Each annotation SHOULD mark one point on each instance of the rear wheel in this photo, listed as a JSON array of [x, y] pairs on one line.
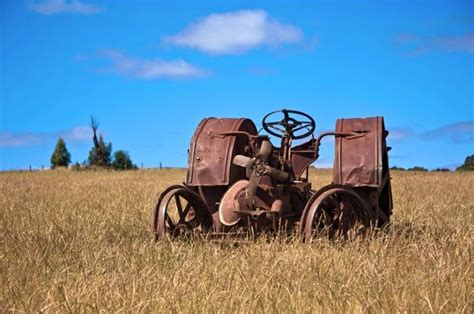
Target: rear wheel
[[180, 212], [335, 211]]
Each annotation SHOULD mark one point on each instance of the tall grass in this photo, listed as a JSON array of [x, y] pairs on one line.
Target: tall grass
[[81, 242]]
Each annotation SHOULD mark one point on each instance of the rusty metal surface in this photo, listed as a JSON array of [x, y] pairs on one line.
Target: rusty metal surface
[[210, 157], [302, 156], [227, 214], [358, 161]]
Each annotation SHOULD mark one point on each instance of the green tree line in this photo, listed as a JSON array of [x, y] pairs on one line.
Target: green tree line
[[468, 165], [100, 155]]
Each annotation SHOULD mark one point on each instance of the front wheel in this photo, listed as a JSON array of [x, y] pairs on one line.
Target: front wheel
[[180, 211]]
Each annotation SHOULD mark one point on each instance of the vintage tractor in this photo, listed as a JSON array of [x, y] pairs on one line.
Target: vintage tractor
[[237, 180]]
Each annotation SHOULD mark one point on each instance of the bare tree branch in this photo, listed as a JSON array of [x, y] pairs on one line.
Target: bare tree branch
[[94, 125]]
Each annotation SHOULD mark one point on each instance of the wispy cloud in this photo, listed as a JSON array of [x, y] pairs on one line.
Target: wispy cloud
[[8, 139], [416, 45], [400, 133], [139, 68], [461, 132], [50, 7], [77, 134], [235, 32], [456, 133]]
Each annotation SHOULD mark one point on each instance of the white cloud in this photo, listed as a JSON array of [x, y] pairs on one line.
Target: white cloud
[[459, 132], [400, 133], [50, 7], [76, 134], [8, 139], [234, 32], [456, 133], [417, 45], [464, 42], [149, 69]]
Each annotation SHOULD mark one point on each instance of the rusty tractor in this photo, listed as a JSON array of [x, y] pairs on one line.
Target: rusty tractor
[[238, 180]]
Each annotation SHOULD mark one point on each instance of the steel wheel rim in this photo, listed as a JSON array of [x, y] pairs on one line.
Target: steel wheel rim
[[327, 212], [179, 211]]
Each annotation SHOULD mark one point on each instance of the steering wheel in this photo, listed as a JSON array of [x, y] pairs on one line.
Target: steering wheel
[[289, 126]]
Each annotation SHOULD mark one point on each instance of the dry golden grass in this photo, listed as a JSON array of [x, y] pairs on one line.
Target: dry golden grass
[[81, 242]]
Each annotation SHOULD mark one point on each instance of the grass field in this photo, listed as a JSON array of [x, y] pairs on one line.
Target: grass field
[[80, 241]]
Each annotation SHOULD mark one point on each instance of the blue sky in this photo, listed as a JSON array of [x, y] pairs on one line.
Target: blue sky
[[150, 71]]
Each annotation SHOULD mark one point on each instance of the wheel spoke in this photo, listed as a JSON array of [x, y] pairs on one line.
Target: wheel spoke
[[339, 209], [186, 210], [302, 125], [334, 201], [320, 222], [183, 226], [169, 221], [179, 206], [329, 220], [276, 128], [341, 204], [300, 128]]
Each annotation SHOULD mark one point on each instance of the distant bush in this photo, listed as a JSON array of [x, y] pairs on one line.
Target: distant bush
[[441, 170], [122, 161], [468, 164], [61, 157], [417, 168], [398, 168]]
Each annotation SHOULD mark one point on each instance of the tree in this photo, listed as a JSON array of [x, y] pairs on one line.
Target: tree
[[61, 157], [122, 161], [468, 164], [441, 170], [99, 155], [417, 168]]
